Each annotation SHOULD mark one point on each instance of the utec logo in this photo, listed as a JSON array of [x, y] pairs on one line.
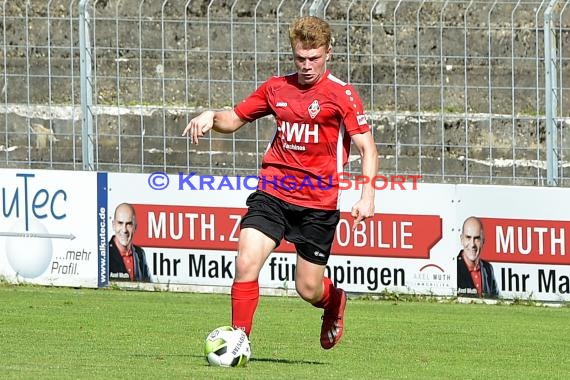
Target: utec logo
[[192, 181], [28, 208]]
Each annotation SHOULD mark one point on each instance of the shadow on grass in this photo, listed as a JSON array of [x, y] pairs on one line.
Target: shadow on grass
[[285, 361], [256, 359]]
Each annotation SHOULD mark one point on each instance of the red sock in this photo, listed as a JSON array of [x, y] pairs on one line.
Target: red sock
[[245, 297], [330, 297]]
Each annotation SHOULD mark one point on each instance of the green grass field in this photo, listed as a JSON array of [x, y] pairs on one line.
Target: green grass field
[[61, 333]]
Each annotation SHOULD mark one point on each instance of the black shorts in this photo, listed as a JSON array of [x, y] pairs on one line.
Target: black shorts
[[311, 230]]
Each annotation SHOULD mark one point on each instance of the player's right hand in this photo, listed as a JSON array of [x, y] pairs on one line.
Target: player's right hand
[[199, 125]]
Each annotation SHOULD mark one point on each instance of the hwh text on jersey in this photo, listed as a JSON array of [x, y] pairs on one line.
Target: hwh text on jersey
[[299, 132]]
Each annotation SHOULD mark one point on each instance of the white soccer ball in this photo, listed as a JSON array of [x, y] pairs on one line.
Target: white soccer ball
[[227, 347]]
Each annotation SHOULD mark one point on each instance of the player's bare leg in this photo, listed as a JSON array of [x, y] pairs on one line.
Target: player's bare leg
[[313, 287]]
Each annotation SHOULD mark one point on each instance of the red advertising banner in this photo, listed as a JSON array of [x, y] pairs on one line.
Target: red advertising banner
[[526, 241], [388, 235], [217, 228]]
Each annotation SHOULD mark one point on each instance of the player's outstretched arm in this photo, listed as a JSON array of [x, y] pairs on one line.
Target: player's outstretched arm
[[226, 121]]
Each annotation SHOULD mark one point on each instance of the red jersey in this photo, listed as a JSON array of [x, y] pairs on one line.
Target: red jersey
[[312, 140]]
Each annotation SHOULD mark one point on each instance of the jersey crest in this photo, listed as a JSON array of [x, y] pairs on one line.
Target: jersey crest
[[314, 109]]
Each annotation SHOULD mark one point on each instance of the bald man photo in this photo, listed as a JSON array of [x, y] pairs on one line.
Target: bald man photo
[[127, 261], [475, 277]]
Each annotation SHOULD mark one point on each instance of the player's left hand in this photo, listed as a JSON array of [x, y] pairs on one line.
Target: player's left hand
[[360, 211]]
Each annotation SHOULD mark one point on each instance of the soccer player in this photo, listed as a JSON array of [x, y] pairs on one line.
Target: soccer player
[[317, 116]]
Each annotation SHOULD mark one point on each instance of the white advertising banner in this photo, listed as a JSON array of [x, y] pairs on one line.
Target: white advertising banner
[[526, 238], [58, 227], [189, 228], [48, 227]]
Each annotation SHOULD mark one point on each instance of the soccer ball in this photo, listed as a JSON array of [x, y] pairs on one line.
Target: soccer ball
[[227, 347]]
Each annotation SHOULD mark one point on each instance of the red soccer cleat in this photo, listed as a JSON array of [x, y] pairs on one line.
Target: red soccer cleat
[[333, 324]]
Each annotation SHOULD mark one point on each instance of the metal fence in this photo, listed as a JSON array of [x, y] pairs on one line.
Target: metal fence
[[456, 91]]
